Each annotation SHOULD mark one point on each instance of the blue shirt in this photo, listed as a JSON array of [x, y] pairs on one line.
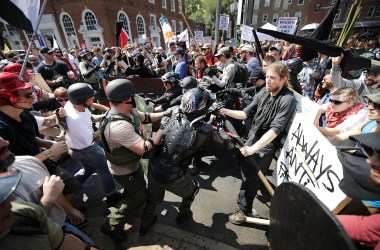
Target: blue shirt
[[98, 61], [181, 69]]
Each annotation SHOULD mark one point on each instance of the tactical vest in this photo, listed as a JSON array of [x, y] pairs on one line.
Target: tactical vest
[[119, 156]]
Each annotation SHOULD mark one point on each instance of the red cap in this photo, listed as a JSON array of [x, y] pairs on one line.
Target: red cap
[[10, 82], [15, 68]]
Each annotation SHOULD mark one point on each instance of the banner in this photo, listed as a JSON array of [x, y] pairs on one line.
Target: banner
[[166, 29], [309, 159], [183, 36], [224, 22], [246, 33], [198, 36], [287, 25], [207, 39]]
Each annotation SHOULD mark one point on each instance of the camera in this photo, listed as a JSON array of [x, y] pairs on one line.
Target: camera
[[211, 71], [108, 57]]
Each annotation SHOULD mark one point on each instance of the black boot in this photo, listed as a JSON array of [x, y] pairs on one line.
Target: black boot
[[117, 235], [184, 210], [146, 222], [114, 199]]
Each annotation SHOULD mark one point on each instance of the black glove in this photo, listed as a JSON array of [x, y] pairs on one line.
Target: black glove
[[215, 107], [148, 100], [233, 91], [97, 67], [168, 112]]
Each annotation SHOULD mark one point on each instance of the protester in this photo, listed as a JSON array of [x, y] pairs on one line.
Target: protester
[[181, 68], [247, 54]]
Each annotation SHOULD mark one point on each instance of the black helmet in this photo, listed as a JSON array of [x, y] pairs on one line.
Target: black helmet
[[120, 90], [110, 50], [196, 101], [79, 93], [295, 65], [170, 77], [85, 52], [188, 82], [140, 58]]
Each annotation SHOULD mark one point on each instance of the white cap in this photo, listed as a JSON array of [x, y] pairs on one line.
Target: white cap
[[248, 48]]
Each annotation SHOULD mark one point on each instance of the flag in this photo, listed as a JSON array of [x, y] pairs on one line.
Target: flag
[[123, 38], [119, 27], [166, 29], [41, 40], [184, 36], [55, 44], [6, 49], [26, 12]]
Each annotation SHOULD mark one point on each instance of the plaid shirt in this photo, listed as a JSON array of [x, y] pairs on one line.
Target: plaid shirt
[[306, 76], [98, 61]]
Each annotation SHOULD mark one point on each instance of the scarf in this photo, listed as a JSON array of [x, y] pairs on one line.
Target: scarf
[[335, 118]]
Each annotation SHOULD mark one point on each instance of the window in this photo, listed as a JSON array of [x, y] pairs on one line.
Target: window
[[265, 18], [11, 30], [256, 5], [90, 21], [69, 29], [300, 2], [286, 14], [95, 39], [337, 15], [317, 7], [275, 18], [266, 3], [29, 35], [289, 1], [140, 25], [298, 14], [174, 28], [180, 26], [377, 13], [254, 19], [370, 12], [180, 5], [153, 21], [164, 4], [333, 2], [277, 3], [151, 1], [123, 17], [172, 5]]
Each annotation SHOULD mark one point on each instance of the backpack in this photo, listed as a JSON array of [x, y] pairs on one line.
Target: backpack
[[241, 74]]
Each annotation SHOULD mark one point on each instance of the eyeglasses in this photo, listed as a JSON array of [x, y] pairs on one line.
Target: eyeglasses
[[336, 102], [369, 152], [62, 100], [27, 95], [50, 53], [373, 104]]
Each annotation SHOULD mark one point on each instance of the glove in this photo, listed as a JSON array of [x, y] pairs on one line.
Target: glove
[[215, 107], [233, 91], [148, 100], [97, 67], [168, 112]]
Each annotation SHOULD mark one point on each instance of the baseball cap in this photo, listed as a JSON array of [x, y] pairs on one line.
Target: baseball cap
[[180, 51], [15, 68], [276, 48], [370, 140], [374, 69], [57, 50], [8, 183], [374, 97], [46, 49], [223, 51], [206, 46], [257, 74], [248, 48], [364, 35]]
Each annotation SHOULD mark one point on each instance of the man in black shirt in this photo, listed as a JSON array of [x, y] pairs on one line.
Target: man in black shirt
[[272, 110]]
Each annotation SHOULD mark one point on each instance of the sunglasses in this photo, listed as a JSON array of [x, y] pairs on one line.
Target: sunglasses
[[27, 95], [373, 104], [62, 100], [336, 102], [369, 152]]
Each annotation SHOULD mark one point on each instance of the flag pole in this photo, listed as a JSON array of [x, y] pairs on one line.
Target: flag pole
[[31, 42], [190, 30]]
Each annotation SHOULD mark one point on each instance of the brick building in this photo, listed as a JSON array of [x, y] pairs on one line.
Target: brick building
[[369, 17], [92, 22], [256, 13]]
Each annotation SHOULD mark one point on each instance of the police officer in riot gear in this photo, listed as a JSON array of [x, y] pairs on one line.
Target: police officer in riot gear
[[182, 138], [124, 145], [295, 66]]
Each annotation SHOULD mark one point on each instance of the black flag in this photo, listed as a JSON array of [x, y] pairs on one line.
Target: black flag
[[119, 26], [14, 16]]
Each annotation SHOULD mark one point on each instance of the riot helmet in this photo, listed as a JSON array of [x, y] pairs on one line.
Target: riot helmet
[[78, 93], [196, 102], [188, 82], [85, 52], [295, 65], [120, 90], [170, 77]]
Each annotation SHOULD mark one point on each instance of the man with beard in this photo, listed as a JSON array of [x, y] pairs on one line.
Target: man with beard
[[88, 69], [370, 84], [247, 54], [207, 53]]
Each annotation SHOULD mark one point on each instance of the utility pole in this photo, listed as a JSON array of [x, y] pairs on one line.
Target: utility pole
[[217, 19]]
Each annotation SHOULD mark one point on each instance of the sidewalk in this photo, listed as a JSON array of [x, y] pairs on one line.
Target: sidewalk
[[159, 236]]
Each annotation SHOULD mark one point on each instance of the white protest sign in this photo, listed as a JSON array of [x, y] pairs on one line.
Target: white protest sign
[[310, 109], [287, 25], [198, 36], [309, 159], [223, 22], [207, 39], [246, 33]]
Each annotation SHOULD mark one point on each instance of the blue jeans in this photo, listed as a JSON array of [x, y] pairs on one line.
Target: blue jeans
[[73, 230], [93, 159]]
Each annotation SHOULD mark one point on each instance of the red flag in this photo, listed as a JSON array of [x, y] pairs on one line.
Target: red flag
[[123, 38]]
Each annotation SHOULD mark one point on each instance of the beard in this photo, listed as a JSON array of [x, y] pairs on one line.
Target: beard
[[369, 82], [4, 164]]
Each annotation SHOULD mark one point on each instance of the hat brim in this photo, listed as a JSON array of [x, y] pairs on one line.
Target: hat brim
[[370, 140], [8, 182]]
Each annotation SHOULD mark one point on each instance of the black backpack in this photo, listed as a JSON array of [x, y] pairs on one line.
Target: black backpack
[[241, 75]]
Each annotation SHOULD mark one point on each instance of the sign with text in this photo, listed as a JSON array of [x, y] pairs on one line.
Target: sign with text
[[207, 39], [246, 33], [308, 108], [198, 36], [309, 159], [224, 22], [287, 25]]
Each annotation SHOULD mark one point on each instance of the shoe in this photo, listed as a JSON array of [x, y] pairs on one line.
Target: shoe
[[239, 217], [194, 170], [114, 199], [183, 215], [146, 223], [117, 235]]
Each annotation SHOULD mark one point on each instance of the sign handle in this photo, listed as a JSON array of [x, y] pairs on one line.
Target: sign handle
[[190, 30]]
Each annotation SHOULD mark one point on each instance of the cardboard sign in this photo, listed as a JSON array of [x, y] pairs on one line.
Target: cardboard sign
[[246, 33], [309, 159], [287, 25], [310, 109], [40, 82], [224, 22], [207, 39], [198, 36]]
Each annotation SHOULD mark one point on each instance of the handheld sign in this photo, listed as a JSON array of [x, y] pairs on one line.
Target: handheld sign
[[224, 22], [287, 25]]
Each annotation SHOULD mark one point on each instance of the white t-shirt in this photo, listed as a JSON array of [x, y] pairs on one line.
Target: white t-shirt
[[353, 120], [79, 132]]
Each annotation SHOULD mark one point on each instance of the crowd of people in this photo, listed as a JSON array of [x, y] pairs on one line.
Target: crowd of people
[[206, 95]]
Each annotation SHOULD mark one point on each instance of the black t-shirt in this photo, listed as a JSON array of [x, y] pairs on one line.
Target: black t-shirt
[[49, 104], [54, 71], [21, 135]]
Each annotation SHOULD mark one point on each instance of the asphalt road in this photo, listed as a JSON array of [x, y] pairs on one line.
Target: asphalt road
[[220, 183]]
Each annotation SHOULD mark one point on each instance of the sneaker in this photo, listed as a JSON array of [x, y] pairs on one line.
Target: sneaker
[[114, 199], [239, 217], [117, 235], [146, 223]]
